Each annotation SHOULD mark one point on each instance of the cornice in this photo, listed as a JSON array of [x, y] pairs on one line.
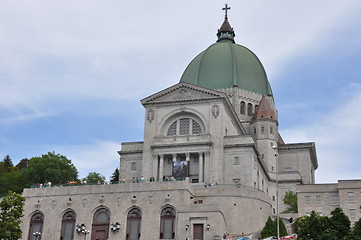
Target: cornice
[[171, 145]]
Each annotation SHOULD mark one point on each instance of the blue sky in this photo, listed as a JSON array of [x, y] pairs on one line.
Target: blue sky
[[72, 72]]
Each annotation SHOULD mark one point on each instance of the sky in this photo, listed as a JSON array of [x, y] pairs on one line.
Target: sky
[[72, 73]]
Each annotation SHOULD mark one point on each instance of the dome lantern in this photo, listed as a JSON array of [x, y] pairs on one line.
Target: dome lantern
[[226, 31]]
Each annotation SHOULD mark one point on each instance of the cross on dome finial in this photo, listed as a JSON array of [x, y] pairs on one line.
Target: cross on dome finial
[[226, 8]]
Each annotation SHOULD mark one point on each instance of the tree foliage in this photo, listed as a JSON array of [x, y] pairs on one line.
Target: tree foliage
[[270, 228], [340, 223], [94, 177], [336, 227], [356, 231], [51, 167], [6, 165], [11, 210], [290, 200], [115, 176]]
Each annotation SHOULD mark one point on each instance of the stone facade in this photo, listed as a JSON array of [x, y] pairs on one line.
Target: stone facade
[[207, 166], [324, 198]]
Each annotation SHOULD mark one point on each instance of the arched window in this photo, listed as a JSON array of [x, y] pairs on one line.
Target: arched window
[[167, 223], [134, 220], [36, 226], [100, 227], [184, 126], [68, 226], [243, 107], [249, 109]]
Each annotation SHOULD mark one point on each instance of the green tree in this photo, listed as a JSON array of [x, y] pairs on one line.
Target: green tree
[[6, 165], [51, 167], [270, 229], [315, 227], [309, 226], [340, 223], [94, 177], [356, 231], [115, 176], [11, 210], [283, 230], [11, 181], [290, 200], [22, 164]]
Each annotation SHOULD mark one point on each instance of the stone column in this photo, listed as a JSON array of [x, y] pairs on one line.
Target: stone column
[[155, 172], [200, 174], [161, 161], [188, 157]]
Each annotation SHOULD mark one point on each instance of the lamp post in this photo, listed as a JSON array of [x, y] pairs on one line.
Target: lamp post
[[81, 229], [277, 210], [37, 235]]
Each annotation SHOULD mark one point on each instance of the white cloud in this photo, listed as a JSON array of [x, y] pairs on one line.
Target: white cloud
[[337, 135], [99, 156]]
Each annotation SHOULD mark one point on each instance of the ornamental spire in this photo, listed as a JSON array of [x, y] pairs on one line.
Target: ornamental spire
[[226, 31]]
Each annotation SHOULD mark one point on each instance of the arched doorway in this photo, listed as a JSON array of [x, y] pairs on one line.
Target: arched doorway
[[36, 226], [100, 227], [68, 226], [167, 223], [134, 220]]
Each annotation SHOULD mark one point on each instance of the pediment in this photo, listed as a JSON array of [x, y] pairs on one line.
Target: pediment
[[183, 92]]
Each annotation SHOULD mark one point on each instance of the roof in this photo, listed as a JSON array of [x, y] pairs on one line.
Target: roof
[[226, 64]]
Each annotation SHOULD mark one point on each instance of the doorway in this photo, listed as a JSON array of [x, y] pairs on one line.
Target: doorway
[[197, 231]]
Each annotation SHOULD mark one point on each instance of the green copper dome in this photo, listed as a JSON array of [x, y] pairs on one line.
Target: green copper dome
[[225, 65]]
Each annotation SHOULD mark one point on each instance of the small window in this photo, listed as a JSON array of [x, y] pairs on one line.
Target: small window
[[271, 130], [134, 166], [254, 131], [236, 161], [350, 197], [288, 169], [352, 214], [196, 160], [262, 129], [243, 107], [273, 198], [318, 200], [249, 109], [308, 200], [334, 200]]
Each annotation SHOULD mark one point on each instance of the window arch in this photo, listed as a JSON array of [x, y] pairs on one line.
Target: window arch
[[36, 226], [100, 227], [243, 108], [249, 109], [167, 223], [68, 226], [134, 220], [184, 126]]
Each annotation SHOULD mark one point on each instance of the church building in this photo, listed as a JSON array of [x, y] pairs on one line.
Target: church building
[[212, 162]]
